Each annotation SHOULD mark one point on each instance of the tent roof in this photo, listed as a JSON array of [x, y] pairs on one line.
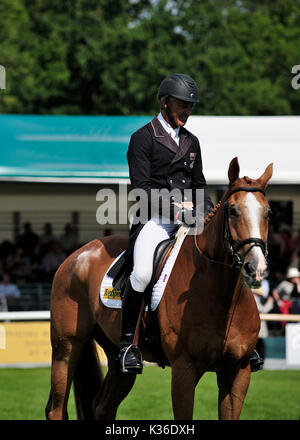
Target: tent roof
[[93, 148], [256, 141]]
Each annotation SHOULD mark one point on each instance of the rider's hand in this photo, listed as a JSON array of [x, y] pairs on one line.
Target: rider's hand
[[185, 213]]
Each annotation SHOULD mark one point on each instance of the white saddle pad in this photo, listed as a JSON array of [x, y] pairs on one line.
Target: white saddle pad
[[111, 297]]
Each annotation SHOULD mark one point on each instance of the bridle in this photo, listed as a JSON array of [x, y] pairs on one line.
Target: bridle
[[234, 247]]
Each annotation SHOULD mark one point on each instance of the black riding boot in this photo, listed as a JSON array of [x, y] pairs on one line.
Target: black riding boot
[[256, 362], [130, 356]]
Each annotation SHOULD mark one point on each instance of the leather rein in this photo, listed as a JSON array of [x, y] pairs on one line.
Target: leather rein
[[234, 247]]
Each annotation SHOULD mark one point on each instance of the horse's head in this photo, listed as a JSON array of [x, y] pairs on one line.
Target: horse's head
[[246, 215]]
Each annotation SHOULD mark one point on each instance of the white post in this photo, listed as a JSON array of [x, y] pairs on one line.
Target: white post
[[2, 78]]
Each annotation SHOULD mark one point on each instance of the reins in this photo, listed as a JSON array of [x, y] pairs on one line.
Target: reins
[[234, 247]]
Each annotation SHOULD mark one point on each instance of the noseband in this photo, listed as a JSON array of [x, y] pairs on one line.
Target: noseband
[[233, 246]]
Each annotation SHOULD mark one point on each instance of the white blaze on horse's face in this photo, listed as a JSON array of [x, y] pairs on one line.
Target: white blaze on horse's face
[[255, 265]]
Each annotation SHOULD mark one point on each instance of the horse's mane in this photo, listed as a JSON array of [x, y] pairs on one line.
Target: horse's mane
[[211, 214]]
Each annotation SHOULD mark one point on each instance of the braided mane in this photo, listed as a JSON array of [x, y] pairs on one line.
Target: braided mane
[[211, 214]]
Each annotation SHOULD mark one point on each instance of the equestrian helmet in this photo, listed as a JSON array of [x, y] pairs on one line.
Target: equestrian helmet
[[180, 86]]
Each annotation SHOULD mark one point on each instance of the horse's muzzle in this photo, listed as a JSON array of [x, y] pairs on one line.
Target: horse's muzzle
[[254, 272]]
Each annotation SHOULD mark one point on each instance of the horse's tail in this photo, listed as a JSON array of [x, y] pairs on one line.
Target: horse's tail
[[88, 379]]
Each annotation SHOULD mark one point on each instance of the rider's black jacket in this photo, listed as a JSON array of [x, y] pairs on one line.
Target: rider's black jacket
[[156, 162]]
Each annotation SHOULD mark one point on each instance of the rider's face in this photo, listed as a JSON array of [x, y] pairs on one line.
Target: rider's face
[[177, 111]]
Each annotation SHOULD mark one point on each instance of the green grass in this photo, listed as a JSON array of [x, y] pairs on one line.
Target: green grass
[[272, 395]]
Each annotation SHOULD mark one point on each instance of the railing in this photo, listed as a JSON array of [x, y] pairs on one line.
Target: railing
[[39, 315], [34, 296], [279, 317], [45, 314]]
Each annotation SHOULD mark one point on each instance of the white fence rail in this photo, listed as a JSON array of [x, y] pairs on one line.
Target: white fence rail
[[25, 316], [45, 314]]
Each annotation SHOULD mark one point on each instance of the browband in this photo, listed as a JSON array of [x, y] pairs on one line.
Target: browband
[[244, 188]]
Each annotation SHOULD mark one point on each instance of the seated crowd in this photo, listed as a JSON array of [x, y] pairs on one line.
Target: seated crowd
[[32, 259]]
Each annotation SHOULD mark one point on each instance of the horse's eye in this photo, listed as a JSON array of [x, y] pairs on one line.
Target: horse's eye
[[267, 213], [234, 211]]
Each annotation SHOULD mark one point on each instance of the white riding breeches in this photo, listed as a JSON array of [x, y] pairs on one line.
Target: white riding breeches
[[152, 233]]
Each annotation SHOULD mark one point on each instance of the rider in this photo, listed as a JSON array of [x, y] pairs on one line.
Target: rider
[[162, 154]]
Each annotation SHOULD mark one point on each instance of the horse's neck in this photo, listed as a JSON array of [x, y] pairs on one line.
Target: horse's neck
[[210, 241], [212, 246]]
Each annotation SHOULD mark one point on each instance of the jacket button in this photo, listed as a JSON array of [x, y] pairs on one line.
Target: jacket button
[[185, 163], [171, 181], [183, 181]]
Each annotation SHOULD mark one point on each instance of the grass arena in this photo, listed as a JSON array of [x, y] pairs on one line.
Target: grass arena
[[272, 395], [274, 392]]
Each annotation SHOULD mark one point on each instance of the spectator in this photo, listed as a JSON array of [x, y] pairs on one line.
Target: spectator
[[296, 240], [7, 248], [69, 240], [47, 236], [286, 248], [274, 248], [296, 250], [10, 292], [28, 241], [290, 287], [287, 293], [52, 260], [19, 265], [1, 269], [265, 304]]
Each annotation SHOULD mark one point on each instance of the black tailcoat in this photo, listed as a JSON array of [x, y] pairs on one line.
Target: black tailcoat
[[156, 162]]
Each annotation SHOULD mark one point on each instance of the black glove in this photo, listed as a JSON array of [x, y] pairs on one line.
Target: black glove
[[184, 215], [189, 217]]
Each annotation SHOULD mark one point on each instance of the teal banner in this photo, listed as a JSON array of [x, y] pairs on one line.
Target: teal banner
[[66, 147]]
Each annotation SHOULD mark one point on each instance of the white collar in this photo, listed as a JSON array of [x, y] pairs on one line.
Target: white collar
[[173, 132]]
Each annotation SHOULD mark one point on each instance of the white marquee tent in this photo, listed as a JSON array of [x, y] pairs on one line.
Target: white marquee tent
[[256, 141]]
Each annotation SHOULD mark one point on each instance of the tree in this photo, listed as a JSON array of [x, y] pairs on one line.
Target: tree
[[104, 57]]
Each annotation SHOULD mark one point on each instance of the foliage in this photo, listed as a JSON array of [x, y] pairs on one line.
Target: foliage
[[104, 57]]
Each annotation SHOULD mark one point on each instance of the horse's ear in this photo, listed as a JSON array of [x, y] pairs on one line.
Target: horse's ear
[[266, 176], [233, 170]]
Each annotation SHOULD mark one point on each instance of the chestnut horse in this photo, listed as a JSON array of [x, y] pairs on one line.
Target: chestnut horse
[[207, 316]]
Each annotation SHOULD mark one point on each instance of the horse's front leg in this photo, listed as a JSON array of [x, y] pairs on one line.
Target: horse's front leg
[[184, 380], [233, 386]]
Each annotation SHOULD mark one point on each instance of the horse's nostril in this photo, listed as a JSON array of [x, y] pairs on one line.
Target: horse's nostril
[[249, 268]]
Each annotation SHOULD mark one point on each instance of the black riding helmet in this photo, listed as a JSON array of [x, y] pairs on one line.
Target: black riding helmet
[[180, 86]]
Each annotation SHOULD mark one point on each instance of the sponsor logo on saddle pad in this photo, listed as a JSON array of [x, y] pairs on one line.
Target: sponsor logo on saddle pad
[[112, 293]]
